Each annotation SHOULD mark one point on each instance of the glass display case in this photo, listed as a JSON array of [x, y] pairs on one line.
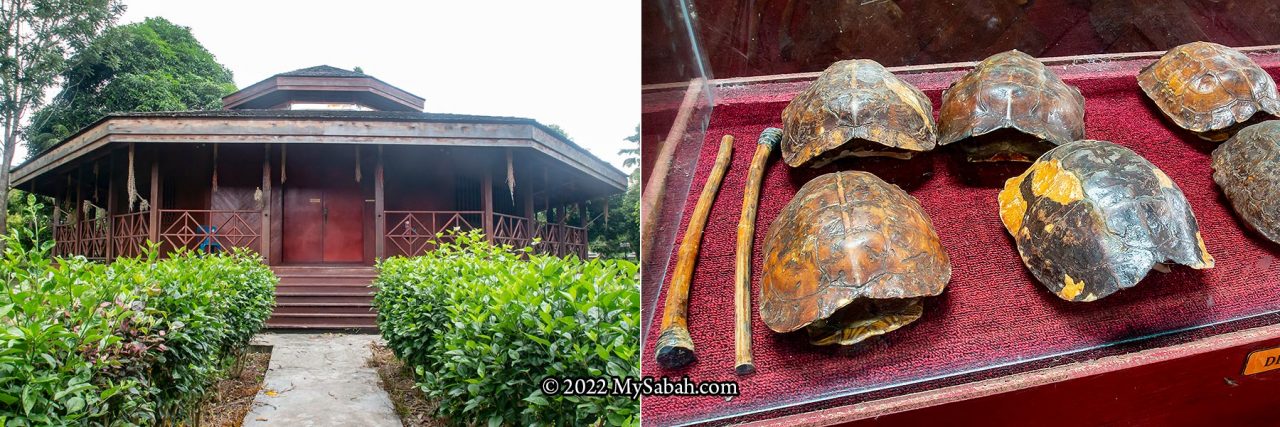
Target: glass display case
[[718, 67]]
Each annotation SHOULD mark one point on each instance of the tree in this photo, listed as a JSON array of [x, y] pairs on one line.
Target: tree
[[152, 65], [632, 155], [620, 238], [39, 37]]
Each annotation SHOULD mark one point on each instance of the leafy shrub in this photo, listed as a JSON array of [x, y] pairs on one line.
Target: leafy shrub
[[482, 325], [133, 342]]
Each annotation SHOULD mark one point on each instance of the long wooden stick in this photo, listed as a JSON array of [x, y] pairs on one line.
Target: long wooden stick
[[746, 233], [675, 347]]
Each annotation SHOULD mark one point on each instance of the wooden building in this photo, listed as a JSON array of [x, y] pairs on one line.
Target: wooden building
[[323, 171]]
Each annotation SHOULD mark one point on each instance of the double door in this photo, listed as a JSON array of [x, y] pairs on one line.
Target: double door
[[323, 209]]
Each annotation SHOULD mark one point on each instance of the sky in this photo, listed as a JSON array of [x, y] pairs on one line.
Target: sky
[[575, 64]]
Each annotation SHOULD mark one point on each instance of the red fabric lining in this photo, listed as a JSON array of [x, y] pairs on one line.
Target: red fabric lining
[[993, 311]]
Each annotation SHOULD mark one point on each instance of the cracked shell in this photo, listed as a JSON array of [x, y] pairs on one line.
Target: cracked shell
[[1091, 218], [1209, 89], [1010, 108], [856, 108], [849, 257], [1247, 167]]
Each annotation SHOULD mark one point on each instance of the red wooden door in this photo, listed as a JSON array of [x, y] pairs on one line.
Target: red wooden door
[[323, 209], [303, 225], [344, 225]]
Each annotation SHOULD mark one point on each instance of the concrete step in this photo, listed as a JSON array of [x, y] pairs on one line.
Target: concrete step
[[323, 308], [326, 280], [320, 327], [324, 271], [316, 320], [323, 289], [324, 298]]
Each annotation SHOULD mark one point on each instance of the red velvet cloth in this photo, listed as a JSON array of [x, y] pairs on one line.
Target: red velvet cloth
[[993, 312]]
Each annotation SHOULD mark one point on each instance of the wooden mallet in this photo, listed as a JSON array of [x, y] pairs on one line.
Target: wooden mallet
[[769, 139], [675, 347]]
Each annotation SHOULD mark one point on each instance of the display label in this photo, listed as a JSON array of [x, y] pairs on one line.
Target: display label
[[1262, 361]]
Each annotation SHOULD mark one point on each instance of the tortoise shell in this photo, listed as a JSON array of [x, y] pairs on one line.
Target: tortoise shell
[[1247, 167], [1092, 217], [848, 256], [856, 108], [1014, 93], [1209, 89]]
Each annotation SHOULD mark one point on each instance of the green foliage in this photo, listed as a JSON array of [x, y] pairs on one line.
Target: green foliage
[[482, 325], [131, 343], [38, 37], [620, 237], [632, 154], [26, 210], [557, 129], [153, 65]]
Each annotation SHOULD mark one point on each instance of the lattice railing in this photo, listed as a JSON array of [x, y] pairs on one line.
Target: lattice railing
[[511, 230], [561, 240], [209, 230], [411, 232], [130, 233], [94, 238], [65, 234]]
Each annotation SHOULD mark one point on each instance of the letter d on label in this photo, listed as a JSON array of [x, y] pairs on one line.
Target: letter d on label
[[1263, 360]]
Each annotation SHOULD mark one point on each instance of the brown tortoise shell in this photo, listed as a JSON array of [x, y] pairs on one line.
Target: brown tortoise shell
[[1209, 88], [1247, 167], [856, 108], [1013, 91], [850, 237], [1092, 217]]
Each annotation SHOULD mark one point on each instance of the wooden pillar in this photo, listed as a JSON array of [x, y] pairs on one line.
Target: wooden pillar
[[79, 210], [530, 216], [582, 214], [379, 209], [155, 197], [582, 223], [486, 198], [57, 206], [546, 196], [111, 206], [266, 203]]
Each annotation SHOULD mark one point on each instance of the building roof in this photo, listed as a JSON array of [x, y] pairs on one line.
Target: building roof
[[321, 71], [541, 137], [322, 84]]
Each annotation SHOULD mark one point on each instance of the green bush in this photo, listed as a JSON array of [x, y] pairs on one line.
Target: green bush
[[482, 325], [131, 343]]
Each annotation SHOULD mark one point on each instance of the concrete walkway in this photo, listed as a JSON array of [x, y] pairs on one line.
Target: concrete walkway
[[320, 380]]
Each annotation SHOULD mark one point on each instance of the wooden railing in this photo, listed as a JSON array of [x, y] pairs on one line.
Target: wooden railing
[[65, 234], [207, 230], [94, 238], [130, 233], [561, 240], [511, 230], [411, 232]]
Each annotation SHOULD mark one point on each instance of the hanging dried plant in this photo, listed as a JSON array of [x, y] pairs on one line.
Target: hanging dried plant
[[511, 177], [95, 180], [215, 168], [284, 163], [132, 186]]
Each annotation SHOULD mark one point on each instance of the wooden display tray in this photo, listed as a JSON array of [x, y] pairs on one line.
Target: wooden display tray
[[1185, 377]]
